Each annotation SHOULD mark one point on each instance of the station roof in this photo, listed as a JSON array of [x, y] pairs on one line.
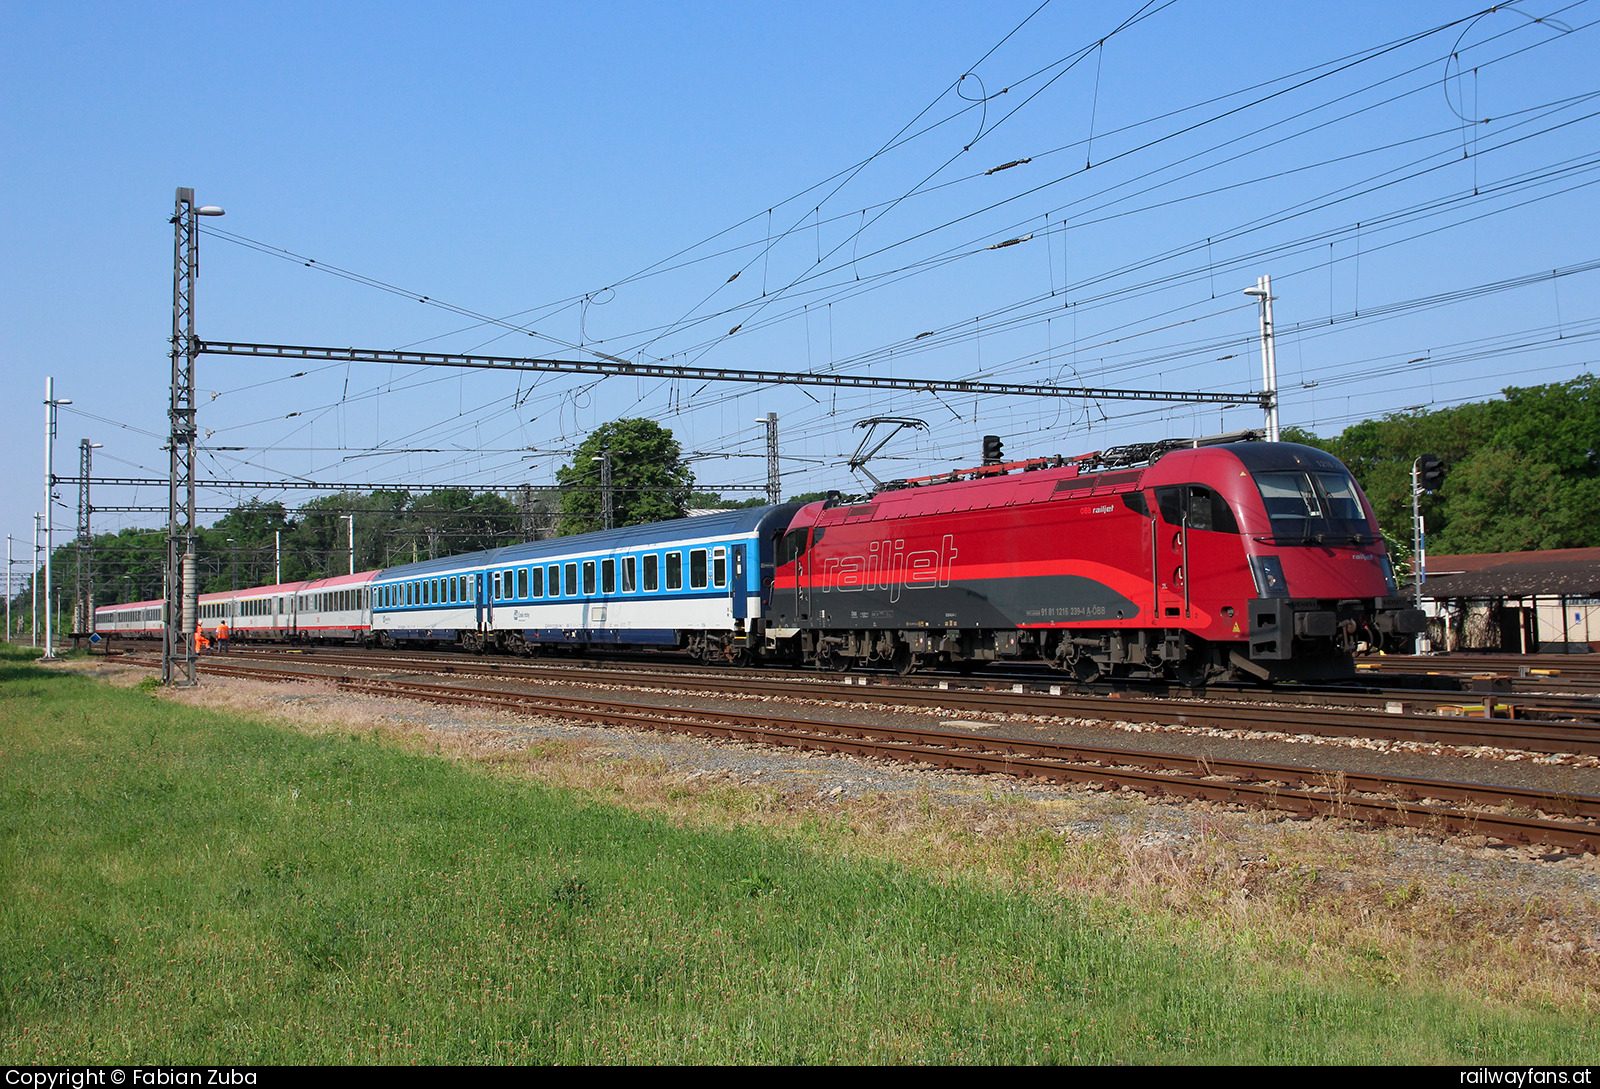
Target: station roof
[[1569, 572]]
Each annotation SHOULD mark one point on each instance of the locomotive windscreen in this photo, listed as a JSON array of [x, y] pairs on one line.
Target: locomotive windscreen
[[1313, 507]]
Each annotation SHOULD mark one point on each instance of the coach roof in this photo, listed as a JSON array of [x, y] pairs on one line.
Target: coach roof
[[730, 523]]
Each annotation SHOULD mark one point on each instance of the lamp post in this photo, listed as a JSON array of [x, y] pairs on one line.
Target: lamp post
[[234, 552], [50, 404], [351, 519], [1269, 354]]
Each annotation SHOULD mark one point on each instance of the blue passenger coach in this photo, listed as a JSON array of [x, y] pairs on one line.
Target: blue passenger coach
[[698, 584]]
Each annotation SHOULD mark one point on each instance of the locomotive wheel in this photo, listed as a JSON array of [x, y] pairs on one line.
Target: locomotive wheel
[[904, 662]]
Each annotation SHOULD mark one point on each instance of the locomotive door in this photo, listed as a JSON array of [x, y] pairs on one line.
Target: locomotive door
[[1169, 554], [793, 594]]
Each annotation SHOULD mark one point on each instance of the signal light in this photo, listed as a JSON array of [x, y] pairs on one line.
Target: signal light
[[1430, 472], [992, 454]]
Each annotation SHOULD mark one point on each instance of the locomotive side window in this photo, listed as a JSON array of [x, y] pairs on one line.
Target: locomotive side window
[[628, 568], [1208, 510], [674, 570], [651, 579], [795, 543], [697, 569], [1202, 507]]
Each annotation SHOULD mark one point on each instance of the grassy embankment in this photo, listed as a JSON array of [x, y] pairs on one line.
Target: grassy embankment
[[180, 885]]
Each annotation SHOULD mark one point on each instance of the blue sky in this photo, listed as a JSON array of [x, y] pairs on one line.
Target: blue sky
[[528, 162]]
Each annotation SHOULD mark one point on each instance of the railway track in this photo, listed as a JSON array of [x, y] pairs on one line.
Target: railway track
[[1407, 724], [1569, 822]]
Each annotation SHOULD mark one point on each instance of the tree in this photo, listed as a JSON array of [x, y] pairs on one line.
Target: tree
[[649, 482], [1521, 473]]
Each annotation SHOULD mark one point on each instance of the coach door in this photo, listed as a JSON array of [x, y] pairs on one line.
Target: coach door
[[737, 592], [484, 608]]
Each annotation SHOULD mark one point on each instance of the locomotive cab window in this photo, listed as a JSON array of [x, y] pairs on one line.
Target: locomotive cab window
[[1197, 507]]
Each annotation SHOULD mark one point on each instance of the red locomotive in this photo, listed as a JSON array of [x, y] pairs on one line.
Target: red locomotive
[[1192, 561]]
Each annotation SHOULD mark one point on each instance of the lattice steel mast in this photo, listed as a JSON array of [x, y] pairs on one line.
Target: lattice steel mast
[[177, 646]]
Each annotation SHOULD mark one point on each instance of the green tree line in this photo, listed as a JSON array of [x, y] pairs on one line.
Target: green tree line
[[1521, 473]]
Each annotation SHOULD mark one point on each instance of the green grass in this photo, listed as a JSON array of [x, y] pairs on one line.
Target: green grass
[[181, 886]]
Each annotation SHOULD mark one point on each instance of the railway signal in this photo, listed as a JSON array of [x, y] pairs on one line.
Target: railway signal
[[1430, 472], [992, 453], [1427, 472]]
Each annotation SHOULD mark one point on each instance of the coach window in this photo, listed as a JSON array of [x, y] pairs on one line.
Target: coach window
[[651, 580], [466, 587], [674, 570], [538, 582], [608, 576], [588, 576], [497, 586], [719, 567], [553, 586], [697, 569], [572, 580], [627, 574], [522, 582]]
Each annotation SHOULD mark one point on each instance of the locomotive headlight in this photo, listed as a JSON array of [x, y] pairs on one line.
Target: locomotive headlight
[[1268, 573]]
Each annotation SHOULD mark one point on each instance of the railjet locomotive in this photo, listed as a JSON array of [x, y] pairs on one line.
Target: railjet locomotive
[[1190, 561]]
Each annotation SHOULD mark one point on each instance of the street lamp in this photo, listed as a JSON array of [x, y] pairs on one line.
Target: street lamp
[[1269, 354]]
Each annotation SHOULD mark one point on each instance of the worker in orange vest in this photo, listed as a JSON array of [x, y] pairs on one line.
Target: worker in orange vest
[[222, 636], [200, 640]]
